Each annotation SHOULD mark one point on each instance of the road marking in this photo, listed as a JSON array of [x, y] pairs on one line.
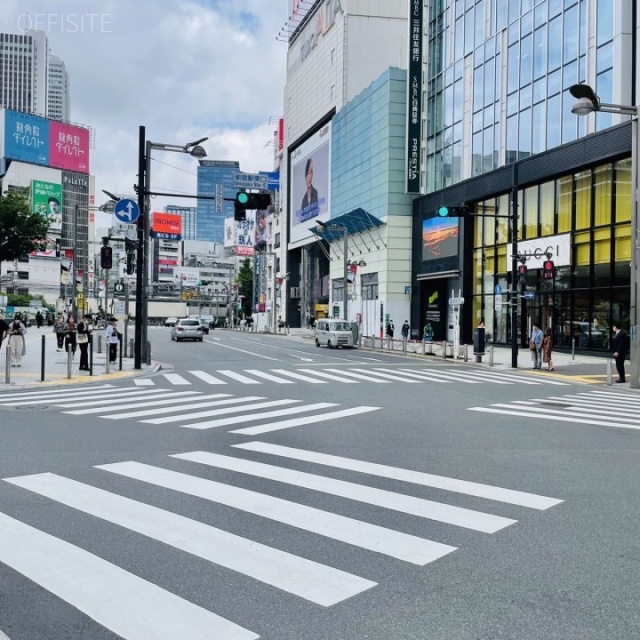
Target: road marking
[[419, 507], [53, 393], [175, 378], [487, 491], [224, 422], [578, 412], [298, 422], [237, 376], [298, 376], [360, 376], [209, 379], [268, 376], [364, 535], [310, 580], [393, 375], [329, 376], [127, 605], [183, 407], [175, 398], [143, 382], [114, 398]]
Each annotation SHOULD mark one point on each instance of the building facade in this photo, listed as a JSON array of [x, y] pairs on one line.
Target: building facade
[[58, 90], [215, 180]]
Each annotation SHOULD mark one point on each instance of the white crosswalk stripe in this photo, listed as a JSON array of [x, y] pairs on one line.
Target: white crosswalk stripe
[[599, 408], [137, 609], [353, 375]]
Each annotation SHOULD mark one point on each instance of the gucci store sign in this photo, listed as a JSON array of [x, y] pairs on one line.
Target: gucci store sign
[[536, 250]]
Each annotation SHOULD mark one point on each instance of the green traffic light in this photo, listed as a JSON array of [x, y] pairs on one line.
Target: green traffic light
[[443, 212], [242, 198]]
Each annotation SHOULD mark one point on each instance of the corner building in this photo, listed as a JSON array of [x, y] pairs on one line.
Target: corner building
[[499, 135]]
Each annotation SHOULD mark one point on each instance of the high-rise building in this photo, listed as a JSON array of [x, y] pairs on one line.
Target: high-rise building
[[23, 71], [215, 178], [58, 90], [189, 220]]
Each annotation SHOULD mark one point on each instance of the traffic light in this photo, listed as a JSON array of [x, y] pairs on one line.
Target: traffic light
[[459, 211], [548, 270], [106, 257], [131, 263], [522, 273], [249, 201]]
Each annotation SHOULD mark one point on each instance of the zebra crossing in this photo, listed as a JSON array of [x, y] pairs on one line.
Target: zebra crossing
[[186, 409], [137, 608], [600, 408], [351, 375]]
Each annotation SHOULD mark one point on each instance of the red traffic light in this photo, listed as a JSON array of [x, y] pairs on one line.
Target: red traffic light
[[106, 257], [548, 270]]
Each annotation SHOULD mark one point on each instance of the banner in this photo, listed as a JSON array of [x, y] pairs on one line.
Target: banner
[[414, 96], [46, 199]]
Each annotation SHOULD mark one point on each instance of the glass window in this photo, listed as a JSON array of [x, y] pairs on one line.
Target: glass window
[[602, 246], [526, 23], [538, 127], [540, 52], [489, 79], [457, 101], [526, 60], [478, 89], [569, 123], [540, 89], [512, 104], [525, 97], [563, 203], [531, 212], [555, 43], [604, 89], [502, 15], [487, 162], [514, 10], [582, 43], [512, 138], [554, 82], [513, 59], [604, 22], [488, 117], [524, 145], [622, 185], [477, 153], [540, 14], [547, 210], [571, 33], [553, 122], [603, 195], [479, 22], [469, 29], [583, 199], [604, 57], [459, 39], [622, 244]]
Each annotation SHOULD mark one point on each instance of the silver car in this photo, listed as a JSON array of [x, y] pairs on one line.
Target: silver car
[[187, 329]]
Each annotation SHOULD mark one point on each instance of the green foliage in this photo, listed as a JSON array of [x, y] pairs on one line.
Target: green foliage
[[21, 231], [245, 287], [23, 300]]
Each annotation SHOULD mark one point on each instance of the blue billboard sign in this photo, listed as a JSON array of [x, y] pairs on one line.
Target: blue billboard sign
[[273, 180], [26, 137]]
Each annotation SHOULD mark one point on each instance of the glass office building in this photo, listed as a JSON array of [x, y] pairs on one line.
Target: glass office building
[[215, 180], [499, 135]]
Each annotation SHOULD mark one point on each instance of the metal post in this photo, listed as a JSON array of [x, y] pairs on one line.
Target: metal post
[[125, 331], [147, 230], [90, 354], [514, 267], [609, 373], [42, 357], [74, 303], [7, 367], [69, 360], [120, 351], [345, 250], [491, 355], [140, 262], [634, 354], [274, 306], [573, 348]]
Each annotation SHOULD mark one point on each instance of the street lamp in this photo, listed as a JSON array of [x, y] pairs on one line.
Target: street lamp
[[345, 250], [142, 258], [588, 102]]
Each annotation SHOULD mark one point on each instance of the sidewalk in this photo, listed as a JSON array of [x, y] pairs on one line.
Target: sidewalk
[[56, 364]]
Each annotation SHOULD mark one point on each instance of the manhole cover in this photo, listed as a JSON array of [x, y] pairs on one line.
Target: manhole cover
[[33, 407]]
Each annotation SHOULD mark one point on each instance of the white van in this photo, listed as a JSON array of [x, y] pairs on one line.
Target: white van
[[333, 333]]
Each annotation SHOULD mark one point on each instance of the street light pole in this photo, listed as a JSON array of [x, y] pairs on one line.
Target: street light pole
[[588, 102], [345, 250]]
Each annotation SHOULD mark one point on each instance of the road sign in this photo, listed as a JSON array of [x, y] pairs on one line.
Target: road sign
[[127, 210], [454, 301], [529, 295], [498, 302], [250, 181], [498, 289], [118, 287]]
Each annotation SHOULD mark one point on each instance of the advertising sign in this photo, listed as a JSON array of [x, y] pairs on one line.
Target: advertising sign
[[68, 147], [414, 96], [246, 234], [229, 232], [46, 199], [47, 251], [26, 137], [439, 238], [167, 226], [310, 184]]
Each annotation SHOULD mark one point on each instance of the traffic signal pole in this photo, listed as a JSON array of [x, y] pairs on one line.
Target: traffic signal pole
[[514, 267]]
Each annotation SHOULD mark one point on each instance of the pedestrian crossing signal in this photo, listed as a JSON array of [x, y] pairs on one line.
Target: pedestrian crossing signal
[[548, 270], [522, 274]]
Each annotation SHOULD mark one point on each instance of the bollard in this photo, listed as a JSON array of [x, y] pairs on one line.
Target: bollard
[[491, 355], [120, 339], [100, 344], [131, 348], [404, 347], [609, 373], [69, 361], [573, 348], [444, 350], [466, 353], [148, 361], [42, 352], [7, 372], [90, 354]]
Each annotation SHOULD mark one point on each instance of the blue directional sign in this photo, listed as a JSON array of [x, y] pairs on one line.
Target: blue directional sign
[[529, 295], [127, 210], [498, 289]]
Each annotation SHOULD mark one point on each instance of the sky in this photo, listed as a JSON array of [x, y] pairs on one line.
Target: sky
[[184, 69]]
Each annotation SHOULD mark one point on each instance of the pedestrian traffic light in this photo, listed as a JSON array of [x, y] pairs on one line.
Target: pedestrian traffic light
[[522, 273], [458, 211], [106, 257], [250, 201], [548, 270]]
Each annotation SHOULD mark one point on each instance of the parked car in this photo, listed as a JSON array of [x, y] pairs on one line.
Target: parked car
[[170, 322], [187, 329], [333, 333]]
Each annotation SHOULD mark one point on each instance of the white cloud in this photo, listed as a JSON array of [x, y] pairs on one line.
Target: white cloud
[[184, 69]]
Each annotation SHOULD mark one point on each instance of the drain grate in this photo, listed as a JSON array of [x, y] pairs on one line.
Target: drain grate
[[33, 407]]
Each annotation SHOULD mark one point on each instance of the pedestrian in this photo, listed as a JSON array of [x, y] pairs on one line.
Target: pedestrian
[[17, 342], [619, 348], [427, 332], [547, 348], [535, 345], [85, 327], [4, 329], [58, 329], [39, 320], [111, 336], [405, 330], [70, 335], [390, 329]]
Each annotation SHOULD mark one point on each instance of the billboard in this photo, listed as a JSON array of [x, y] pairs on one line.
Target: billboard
[[229, 232], [439, 238], [46, 199], [167, 226], [414, 96], [37, 140], [49, 250], [310, 184], [246, 235], [262, 228]]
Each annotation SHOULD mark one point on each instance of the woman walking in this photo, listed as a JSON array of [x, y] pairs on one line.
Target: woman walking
[[84, 331], [70, 331], [547, 348], [58, 329], [17, 342]]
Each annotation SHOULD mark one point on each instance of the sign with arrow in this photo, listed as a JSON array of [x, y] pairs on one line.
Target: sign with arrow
[[127, 210]]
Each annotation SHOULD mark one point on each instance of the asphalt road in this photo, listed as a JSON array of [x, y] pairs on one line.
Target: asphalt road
[[258, 486]]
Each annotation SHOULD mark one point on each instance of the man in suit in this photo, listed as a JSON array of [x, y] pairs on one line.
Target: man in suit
[[619, 348], [311, 194]]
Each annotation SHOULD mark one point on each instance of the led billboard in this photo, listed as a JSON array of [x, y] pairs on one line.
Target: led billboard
[[439, 238]]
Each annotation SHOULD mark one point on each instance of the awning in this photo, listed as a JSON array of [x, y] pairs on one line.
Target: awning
[[354, 222]]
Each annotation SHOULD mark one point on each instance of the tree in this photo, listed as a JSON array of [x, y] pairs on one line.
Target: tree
[[21, 231], [245, 286]]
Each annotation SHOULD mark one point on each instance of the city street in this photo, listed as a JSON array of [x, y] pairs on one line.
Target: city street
[[255, 486]]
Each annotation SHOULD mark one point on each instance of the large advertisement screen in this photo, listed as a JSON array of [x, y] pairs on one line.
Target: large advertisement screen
[[38, 140], [167, 226], [246, 235], [439, 238], [310, 183], [46, 199]]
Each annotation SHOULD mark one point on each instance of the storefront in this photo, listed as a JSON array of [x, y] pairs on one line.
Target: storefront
[[574, 208]]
